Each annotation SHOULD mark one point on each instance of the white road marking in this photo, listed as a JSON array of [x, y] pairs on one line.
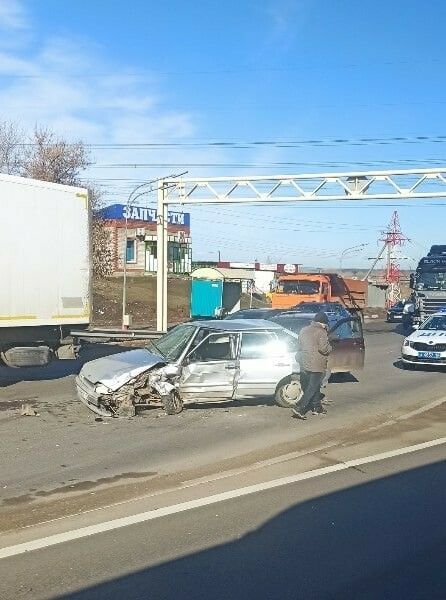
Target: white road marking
[[156, 513]]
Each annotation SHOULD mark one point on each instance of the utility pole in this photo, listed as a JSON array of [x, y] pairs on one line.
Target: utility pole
[[393, 237]]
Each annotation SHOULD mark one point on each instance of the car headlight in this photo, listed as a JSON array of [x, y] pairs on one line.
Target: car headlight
[[407, 343], [102, 389]]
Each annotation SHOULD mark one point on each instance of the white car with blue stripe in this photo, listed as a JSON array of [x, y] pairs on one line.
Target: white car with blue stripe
[[427, 344]]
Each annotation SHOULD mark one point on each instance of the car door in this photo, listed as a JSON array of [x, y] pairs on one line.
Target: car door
[[209, 371], [347, 341], [264, 360]]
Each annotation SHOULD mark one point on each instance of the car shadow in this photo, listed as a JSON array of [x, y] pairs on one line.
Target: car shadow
[[398, 364], [400, 329], [242, 402], [385, 538], [343, 378], [58, 369]]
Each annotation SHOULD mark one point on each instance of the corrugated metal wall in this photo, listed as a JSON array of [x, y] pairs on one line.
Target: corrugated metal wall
[[376, 296]]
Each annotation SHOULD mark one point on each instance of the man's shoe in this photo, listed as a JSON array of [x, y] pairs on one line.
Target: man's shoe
[[297, 415]]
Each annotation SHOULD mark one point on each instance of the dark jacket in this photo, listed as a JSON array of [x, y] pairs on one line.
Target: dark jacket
[[314, 348]]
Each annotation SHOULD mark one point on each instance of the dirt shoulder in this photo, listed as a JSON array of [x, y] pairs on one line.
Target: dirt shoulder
[[141, 301]]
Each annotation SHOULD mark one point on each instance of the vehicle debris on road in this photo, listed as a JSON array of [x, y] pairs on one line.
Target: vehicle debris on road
[[28, 411]]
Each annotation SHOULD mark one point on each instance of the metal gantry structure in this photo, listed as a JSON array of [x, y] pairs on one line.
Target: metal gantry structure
[[409, 184]]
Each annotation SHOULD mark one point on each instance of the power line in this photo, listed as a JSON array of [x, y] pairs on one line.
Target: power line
[[270, 165], [278, 143]]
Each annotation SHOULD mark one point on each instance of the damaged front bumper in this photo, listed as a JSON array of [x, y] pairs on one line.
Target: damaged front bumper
[[147, 388], [87, 394]]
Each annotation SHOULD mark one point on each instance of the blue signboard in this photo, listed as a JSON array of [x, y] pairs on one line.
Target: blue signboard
[[142, 213]]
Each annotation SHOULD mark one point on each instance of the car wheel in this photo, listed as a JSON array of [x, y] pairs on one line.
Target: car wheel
[[172, 404], [288, 393]]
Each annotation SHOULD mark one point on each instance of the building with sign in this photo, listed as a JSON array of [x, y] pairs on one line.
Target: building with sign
[[139, 248]]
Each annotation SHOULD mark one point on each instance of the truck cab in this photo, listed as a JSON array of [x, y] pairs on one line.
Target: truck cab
[[429, 284], [292, 290]]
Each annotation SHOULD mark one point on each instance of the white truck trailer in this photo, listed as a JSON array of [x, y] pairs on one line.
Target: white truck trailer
[[45, 270]]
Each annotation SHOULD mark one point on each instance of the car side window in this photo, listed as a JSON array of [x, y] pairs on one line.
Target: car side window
[[265, 345], [347, 330], [255, 344], [289, 342], [217, 346]]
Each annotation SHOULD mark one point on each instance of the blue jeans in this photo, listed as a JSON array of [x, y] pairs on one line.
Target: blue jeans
[[311, 386]]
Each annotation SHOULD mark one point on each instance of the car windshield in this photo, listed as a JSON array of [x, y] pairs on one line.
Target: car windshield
[[292, 323], [398, 306], [431, 281], [299, 287], [172, 344], [314, 307], [437, 322]]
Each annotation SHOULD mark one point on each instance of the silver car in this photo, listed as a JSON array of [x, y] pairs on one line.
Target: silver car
[[203, 361]]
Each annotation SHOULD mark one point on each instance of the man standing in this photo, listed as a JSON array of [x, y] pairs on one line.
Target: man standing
[[314, 349], [408, 311]]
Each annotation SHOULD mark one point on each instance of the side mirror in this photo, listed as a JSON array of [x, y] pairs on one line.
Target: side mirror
[[416, 326]]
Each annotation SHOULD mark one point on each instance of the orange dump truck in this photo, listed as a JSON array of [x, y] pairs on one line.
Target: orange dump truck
[[292, 290]]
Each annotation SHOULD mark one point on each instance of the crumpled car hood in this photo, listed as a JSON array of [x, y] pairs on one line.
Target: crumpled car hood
[[118, 369]]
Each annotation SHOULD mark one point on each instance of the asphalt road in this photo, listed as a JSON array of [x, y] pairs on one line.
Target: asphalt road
[[373, 531], [64, 453]]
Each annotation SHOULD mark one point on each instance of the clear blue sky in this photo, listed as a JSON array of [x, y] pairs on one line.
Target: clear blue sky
[[174, 71]]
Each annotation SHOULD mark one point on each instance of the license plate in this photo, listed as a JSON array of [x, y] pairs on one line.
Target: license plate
[[429, 354]]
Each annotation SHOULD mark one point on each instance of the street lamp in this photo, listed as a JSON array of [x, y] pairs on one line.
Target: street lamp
[[131, 197], [347, 250]]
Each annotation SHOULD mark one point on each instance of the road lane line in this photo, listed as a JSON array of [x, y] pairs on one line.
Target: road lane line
[[157, 513]]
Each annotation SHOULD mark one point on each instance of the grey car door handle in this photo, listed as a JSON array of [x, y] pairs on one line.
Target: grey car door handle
[[230, 367]]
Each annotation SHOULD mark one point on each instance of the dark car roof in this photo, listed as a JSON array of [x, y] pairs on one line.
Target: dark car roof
[[253, 313], [237, 324], [332, 317]]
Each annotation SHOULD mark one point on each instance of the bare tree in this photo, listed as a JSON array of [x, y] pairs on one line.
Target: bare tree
[[51, 159], [101, 247], [11, 148]]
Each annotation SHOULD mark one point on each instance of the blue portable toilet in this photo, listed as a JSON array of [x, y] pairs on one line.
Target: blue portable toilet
[[216, 291]]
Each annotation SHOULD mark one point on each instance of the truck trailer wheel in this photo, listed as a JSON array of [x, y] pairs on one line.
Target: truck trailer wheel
[[172, 404], [288, 392], [24, 356]]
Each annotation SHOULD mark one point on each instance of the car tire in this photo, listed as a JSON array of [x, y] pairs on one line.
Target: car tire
[[172, 404], [288, 392]]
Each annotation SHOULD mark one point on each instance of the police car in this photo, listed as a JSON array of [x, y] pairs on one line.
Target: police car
[[427, 344]]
